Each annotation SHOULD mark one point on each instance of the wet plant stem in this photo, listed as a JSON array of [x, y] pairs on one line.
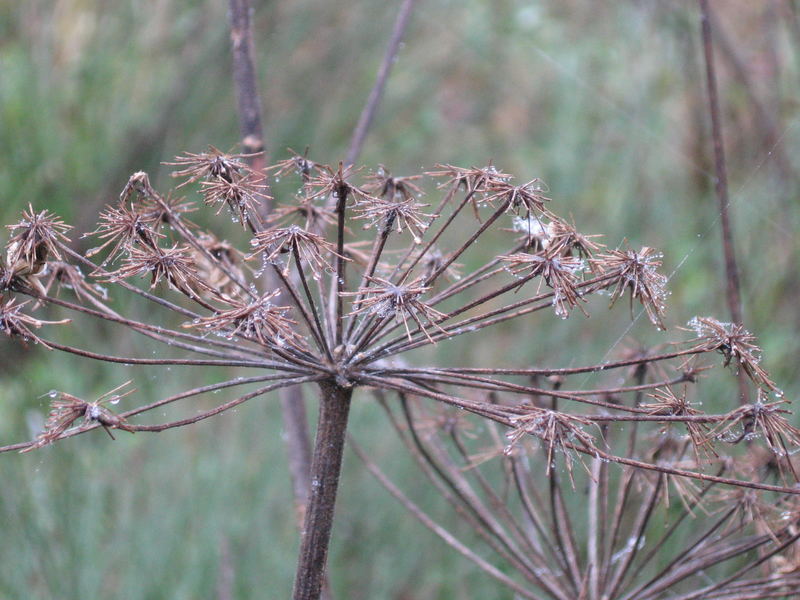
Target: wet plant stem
[[340, 259], [733, 285], [326, 464]]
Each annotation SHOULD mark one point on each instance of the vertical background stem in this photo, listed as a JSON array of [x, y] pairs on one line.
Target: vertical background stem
[[368, 113], [326, 464], [721, 179], [721, 187], [244, 77]]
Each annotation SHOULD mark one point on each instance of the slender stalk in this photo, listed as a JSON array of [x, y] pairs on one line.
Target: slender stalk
[[371, 107], [375, 256], [224, 407], [326, 464], [768, 124], [341, 206], [732, 283], [298, 447], [183, 422], [244, 77], [448, 538], [318, 333]]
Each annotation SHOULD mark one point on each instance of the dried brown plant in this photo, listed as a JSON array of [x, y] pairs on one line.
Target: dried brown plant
[[312, 315], [733, 341]]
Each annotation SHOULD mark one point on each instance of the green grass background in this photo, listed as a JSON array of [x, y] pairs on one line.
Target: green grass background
[[604, 101]]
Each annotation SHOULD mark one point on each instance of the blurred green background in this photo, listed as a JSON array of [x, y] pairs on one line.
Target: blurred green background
[[605, 103]]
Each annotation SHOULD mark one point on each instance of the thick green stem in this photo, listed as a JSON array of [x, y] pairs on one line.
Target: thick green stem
[[326, 465]]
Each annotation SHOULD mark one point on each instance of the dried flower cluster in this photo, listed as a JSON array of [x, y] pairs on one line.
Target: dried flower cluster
[[310, 297]]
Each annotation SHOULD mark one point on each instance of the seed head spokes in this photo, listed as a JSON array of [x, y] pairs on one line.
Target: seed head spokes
[[211, 165], [636, 272], [260, 321], [65, 409], [382, 184], [760, 419], [398, 211], [387, 300], [667, 402], [734, 342], [334, 183], [297, 163], [526, 199], [313, 249], [172, 264], [15, 323], [35, 238], [123, 229], [558, 432], [242, 196], [561, 273]]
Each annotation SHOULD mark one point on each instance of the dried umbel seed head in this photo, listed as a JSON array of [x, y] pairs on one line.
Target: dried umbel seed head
[[334, 184], [382, 184], [734, 342], [762, 419], [399, 212], [65, 409], [242, 197], [259, 320], [299, 164], [479, 180], [173, 264], [569, 241], [310, 248], [15, 323], [35, 238], [667, 403], [387, 300], [476, 181], [123, 229], [525, 199], [211, 165], [226, 181], [636, 272], [560, 273], [558, 432]]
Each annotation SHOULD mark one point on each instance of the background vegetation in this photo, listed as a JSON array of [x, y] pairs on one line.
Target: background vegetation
[[606, 105]]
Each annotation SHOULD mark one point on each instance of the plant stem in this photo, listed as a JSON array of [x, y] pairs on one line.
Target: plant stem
[[326, 464], [721, 185], [368, 113], [244, 76], [298, 447], [721, 180]]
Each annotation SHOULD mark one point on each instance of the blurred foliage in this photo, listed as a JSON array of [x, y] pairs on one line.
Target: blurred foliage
[[607, 106]]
